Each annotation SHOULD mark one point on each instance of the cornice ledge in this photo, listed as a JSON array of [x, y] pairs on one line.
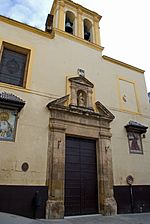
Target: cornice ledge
[[27, 27], [78, 39], [115, 61]]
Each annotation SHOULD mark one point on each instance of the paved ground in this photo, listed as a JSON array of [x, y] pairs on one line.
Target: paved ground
[[142, 218], [6, 218]]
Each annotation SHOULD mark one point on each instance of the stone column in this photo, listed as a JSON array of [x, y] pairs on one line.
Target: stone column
[[107, 202], [56, 171], [61, 15]]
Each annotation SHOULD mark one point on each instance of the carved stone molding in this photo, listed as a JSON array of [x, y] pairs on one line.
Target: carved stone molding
[[81, 92], [79, 120], [104, 111]]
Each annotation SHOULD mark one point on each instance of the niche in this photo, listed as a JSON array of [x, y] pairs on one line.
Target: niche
[[81, 98]]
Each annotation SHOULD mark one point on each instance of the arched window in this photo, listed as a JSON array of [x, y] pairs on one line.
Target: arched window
[[69, 22], [88, 30]]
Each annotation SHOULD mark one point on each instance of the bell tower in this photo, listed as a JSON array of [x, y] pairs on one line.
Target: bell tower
[[76, 20]]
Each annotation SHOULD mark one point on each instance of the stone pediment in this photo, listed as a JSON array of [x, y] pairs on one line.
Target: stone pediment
[[103, 111], [80, 100], [81, 90], [81, 80], [60, 103]]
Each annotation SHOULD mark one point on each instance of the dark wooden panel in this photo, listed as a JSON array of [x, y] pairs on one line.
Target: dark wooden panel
[[19, 200], [80, 177], [12, 67]]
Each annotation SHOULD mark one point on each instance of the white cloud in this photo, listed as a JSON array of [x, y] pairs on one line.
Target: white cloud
[[20, 12], [32, 12]]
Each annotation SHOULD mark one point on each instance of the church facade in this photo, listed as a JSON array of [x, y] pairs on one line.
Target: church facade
[[74, 123]]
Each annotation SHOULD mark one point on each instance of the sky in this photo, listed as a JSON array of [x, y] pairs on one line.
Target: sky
[[124, 26]]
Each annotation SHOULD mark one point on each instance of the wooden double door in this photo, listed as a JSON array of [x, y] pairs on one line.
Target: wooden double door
[[81, 195]]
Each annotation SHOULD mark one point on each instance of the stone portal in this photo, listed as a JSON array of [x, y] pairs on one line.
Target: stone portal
[[82, 118]]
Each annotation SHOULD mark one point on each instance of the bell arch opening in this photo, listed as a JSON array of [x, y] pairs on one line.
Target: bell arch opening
[[88, 34], [70, 22]]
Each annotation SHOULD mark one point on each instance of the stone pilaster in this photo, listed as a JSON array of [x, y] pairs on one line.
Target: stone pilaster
[[73, 95], [79, 24], [56, 172], [108, 204], [61, 15], [89, 98], [96, 31]]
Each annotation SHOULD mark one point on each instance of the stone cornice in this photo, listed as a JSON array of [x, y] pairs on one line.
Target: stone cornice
[[77, 6], [59, 105]]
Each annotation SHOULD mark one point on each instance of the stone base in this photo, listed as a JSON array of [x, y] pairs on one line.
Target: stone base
[[54, 209], [110, 206]]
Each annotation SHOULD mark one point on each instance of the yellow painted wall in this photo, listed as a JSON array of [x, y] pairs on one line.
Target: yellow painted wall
[[30, 144], [51, 61]]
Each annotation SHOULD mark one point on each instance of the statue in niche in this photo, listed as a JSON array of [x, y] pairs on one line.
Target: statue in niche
[[81, 99]]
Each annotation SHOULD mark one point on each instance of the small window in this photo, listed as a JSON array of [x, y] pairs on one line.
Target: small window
[[135, 132], [14, 64]]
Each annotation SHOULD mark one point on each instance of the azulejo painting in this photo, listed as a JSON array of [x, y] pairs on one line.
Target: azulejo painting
[[7, 125]]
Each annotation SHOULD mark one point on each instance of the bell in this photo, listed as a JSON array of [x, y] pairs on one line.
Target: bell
[[87, 35], [68, 27]]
